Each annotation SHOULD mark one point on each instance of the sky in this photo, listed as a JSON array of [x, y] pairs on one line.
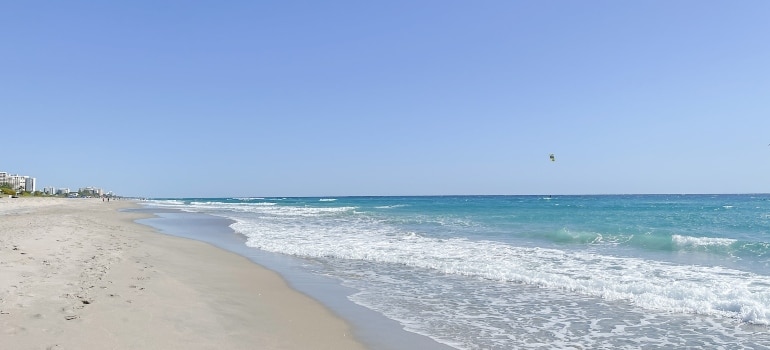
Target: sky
[[398, 97]]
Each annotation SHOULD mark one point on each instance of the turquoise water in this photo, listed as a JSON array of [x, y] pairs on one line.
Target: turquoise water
[[502, 272]]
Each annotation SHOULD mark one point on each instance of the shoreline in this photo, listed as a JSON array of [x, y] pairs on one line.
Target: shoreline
[[373, 329], [81, 274]]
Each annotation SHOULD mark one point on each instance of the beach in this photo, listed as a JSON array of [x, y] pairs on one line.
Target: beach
[[81, 274]]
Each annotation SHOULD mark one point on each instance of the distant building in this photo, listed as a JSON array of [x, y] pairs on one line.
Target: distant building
[[29, 184], [93, 191], [17, 182]]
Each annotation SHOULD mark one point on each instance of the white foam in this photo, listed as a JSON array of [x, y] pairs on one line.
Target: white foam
[[392, 206], [517, 297], [649, 284], [164, 202], [688, 241]]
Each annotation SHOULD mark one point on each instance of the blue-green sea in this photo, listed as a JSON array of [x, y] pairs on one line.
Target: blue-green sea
[[534, 272]]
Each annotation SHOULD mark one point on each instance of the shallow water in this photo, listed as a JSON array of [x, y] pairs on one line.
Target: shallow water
[[372, 328], [501, 272]]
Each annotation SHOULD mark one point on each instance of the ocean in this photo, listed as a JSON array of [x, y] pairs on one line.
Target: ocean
[[534, 272]]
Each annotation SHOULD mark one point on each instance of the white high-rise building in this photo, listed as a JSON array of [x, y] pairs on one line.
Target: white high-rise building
[[17, 182]]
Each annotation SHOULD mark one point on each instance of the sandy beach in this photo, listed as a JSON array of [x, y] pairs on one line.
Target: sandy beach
[[80, 274]]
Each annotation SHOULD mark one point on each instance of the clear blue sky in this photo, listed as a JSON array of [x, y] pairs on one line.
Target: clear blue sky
[[323, 98]]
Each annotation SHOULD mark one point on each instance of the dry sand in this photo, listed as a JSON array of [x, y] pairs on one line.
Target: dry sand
[[79, 274]]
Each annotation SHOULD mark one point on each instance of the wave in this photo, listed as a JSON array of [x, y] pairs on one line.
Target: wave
[[649, 284], [342, 232], [391, 206], [215, 204], [164, 202], [721, 246], [581, 237], [659, 242], [687, 241]]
